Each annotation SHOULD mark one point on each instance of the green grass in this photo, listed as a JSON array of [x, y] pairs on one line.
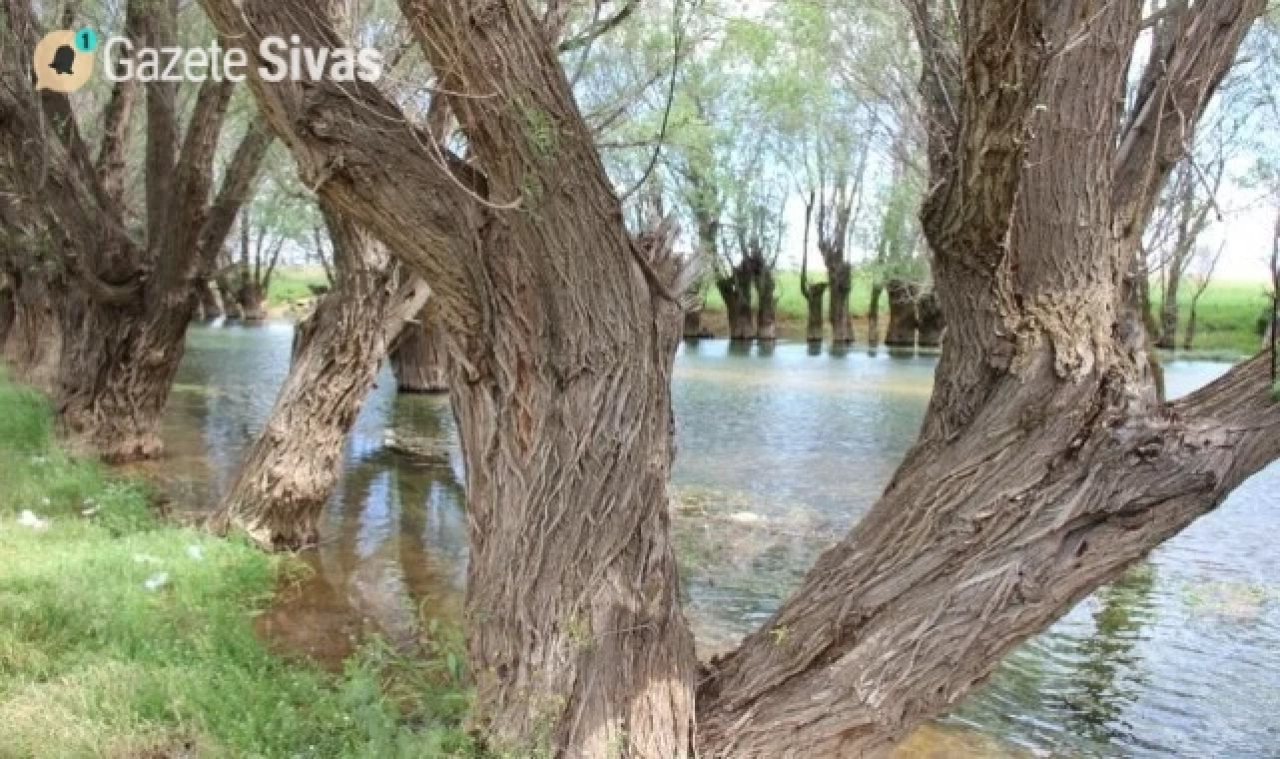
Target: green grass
[[290, 284], [1226, 322], [92, 663]]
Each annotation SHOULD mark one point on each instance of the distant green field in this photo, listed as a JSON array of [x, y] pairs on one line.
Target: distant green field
[[1227, 315]]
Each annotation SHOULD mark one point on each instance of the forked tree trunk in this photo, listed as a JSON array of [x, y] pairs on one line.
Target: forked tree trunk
[[873, 313], [841, 281], [1045, 465], [420, 358], [813, 296], [288, 475], [903, 320], [930, 321], [767, 305]]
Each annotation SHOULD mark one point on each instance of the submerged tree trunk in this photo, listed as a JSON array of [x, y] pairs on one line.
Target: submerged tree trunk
[[253, 302], [735, 291], [930, 321], [840, 277], [873, 313], [767, 306], [420, 358], [903, 321], [813, 296], [210, 301], [290, 472], [693, 324]]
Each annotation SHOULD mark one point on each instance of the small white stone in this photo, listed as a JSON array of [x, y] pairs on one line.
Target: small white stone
[[157, 581], [28, 518]]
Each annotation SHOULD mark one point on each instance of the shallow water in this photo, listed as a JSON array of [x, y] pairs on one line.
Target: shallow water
[[779, 452]]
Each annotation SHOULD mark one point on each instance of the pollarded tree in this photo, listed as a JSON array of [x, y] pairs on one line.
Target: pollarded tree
[[1045, 465], [123, 296]]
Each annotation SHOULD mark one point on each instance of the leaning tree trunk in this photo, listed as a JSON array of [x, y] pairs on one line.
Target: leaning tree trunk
[[420, 359], [767, 307], [873, 313], [841, 280], [1044, 466], [290, 472], [813, 296], [930, 321], [210, 301], [903, 320]]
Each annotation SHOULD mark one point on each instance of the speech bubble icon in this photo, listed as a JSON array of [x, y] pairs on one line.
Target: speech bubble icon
[[59, 63]]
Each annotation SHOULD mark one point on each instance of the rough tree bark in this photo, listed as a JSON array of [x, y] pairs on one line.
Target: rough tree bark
[[126, 306], [813, 296], [288, 475], [840, 279], [1045, 465], [767, 306], [930, 320], [420, 358], [902, 315], [735, 291]]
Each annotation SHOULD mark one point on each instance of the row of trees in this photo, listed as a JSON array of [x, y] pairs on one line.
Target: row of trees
[[512, 191]]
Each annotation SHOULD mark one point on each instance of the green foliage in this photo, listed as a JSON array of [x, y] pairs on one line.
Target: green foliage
[[94, 663], [291, 284]]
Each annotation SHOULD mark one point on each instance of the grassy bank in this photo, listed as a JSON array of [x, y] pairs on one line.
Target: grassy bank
[[1227, 313], [124, 636]]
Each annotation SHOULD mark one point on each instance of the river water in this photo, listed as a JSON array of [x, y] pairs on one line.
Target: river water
[[780, 451]]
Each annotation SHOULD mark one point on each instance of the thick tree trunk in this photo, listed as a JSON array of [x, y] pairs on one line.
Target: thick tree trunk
[[903, 320], [6, 308], [873, 313], [735, 291], [930, 321], [253, 302], [228, 293], [290, 472], [33, 344], [841, 280], [420, 358], [210, 301], [1043, 468], [813, 296], [767, 306]]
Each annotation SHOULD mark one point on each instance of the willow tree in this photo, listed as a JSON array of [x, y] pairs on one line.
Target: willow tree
[[1045, 465], [124, 292]]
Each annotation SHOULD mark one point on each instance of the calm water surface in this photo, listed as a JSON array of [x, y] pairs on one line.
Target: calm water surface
[[779, 452]]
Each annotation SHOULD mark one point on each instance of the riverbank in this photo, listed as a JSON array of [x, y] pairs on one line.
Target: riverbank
[[127, 635]]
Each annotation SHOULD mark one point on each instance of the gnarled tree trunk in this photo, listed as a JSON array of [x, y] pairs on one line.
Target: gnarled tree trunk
[[902, 315], [420, 359], [735, 291], [840, 277], [280, 491], [1045, 465], [33, 342], [253, 302], [930, 320]]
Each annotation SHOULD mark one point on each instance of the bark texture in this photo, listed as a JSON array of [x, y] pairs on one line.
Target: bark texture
[[902, 315], [291, 470], [813, 296], [930, 320], [1045, 465], [420, 359]]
